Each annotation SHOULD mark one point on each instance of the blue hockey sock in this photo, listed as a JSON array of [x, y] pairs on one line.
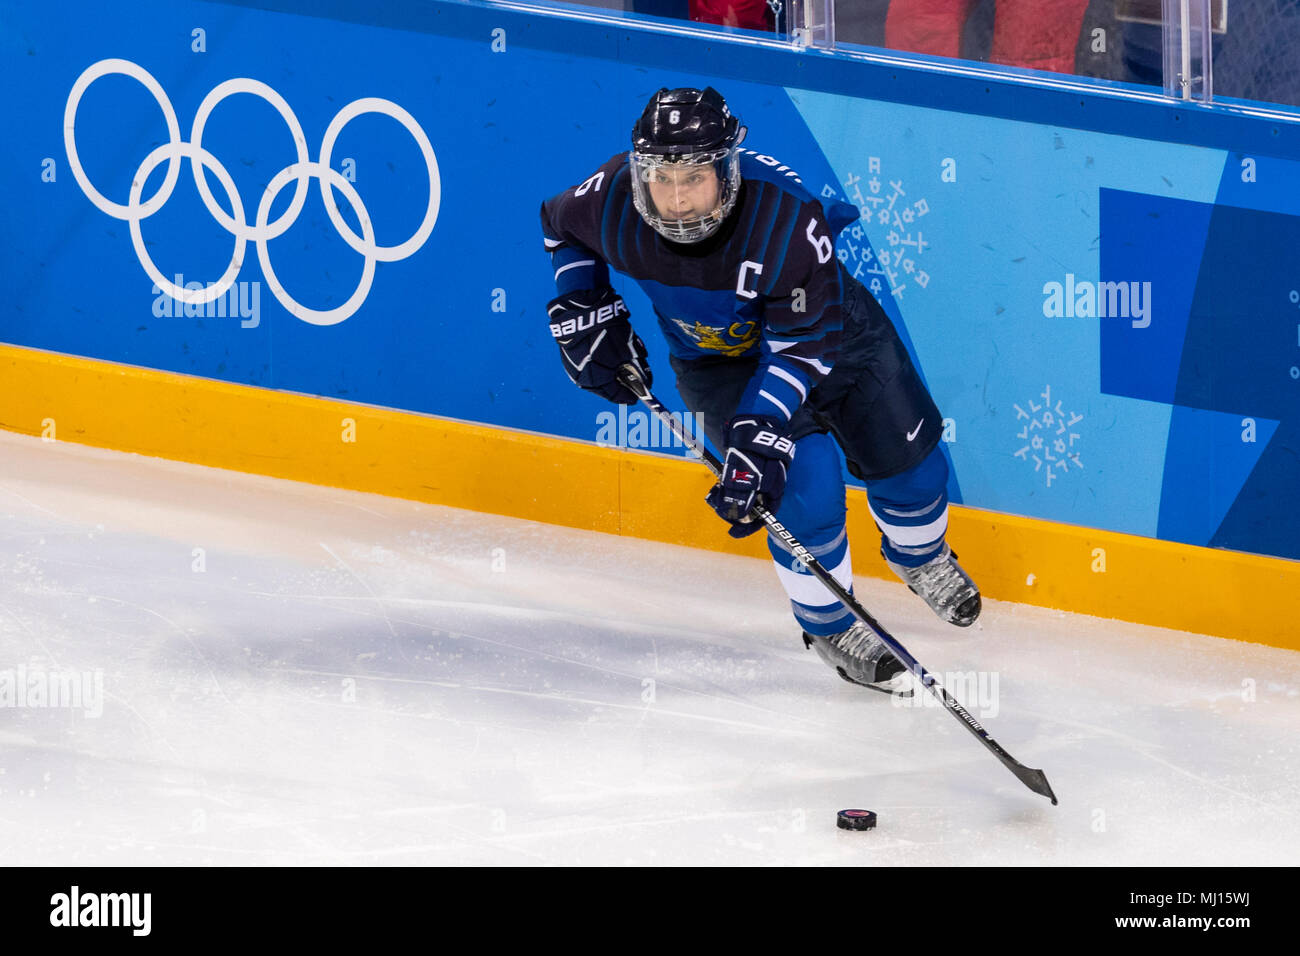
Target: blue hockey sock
[[813, 510], [911, 509]]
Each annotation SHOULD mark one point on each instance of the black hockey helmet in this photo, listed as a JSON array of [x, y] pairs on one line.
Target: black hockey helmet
[[686, 120], [682, 135]]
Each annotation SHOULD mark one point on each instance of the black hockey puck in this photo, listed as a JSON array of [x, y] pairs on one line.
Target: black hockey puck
[[856, 820]]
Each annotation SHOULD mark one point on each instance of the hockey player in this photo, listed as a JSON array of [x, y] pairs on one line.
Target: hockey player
[[781, 350]]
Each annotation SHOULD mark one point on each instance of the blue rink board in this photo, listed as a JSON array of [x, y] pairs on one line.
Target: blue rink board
[[1183, 423]]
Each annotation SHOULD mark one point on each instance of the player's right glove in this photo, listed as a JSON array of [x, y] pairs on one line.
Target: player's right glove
[[758, 454], [595, 339]]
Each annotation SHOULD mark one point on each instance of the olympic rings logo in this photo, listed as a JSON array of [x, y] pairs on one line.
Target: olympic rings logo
[[300, 173]]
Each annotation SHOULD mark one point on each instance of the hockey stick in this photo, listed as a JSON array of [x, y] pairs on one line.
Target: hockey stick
[[1035, 780]]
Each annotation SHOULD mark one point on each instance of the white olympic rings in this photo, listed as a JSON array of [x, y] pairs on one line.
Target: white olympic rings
[[301, 171]]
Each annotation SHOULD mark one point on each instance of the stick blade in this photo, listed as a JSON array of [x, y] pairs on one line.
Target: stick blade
[[1035, 780]]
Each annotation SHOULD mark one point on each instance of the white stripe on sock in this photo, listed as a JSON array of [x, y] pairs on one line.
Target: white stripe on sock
[[913, 535], [807, 589]]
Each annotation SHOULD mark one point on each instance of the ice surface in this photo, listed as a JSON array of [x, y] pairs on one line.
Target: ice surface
[[357, 679]]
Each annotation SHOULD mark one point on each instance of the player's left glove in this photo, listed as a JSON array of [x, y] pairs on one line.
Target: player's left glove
[[596, 339], [758, 454]]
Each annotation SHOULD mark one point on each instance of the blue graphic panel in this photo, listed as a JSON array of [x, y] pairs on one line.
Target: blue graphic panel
[[999, 211], [1222, 348], [1206, 464], [1261, 182], [1242, 357], [1156, 240]]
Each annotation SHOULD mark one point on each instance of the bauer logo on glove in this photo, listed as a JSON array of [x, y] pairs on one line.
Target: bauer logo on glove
[[777, 443], [596, 340], [754, 471], [585, 320]]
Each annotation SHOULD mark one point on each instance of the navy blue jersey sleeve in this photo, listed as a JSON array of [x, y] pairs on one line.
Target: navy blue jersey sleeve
[[571, 230], [802, 317]]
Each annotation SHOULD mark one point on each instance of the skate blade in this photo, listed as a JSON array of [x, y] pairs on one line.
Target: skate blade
[[892, 687]]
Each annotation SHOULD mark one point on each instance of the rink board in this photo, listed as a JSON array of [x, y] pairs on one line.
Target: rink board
[[638, 494], [1000, 210]]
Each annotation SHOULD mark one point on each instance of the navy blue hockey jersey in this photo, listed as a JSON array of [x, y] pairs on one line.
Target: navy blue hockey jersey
[[766, 284]]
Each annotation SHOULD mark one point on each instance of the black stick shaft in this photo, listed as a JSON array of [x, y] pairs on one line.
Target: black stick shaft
[[1035, 780]]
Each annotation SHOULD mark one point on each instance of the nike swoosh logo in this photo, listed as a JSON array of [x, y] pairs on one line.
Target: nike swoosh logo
[[915, 431]]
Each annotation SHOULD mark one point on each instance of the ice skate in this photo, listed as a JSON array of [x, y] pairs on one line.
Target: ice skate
[[860, 657], [943, 585]]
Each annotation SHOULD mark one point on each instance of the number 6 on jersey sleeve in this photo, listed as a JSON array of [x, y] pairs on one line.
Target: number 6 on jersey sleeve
[[593, 181], [821, 243]]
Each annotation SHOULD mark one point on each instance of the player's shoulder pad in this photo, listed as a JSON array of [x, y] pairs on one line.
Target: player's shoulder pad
[[760, 167], [599, 184], [574, 214], [768, 169]]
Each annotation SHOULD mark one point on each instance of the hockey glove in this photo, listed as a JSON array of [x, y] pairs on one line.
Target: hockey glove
[[595, 338], [758, 453]]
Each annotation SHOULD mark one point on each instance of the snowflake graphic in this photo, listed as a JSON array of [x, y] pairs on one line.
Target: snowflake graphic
[[1050, 442], [898, 264]]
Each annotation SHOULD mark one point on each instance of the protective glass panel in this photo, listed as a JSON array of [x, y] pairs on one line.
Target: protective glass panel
[[1256, 49], [807, 22], [1187, 62], [762, 15], [1081, 37], [1191, 49]]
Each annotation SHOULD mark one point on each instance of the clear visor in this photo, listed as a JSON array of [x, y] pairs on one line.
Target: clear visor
[[685, 199]]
